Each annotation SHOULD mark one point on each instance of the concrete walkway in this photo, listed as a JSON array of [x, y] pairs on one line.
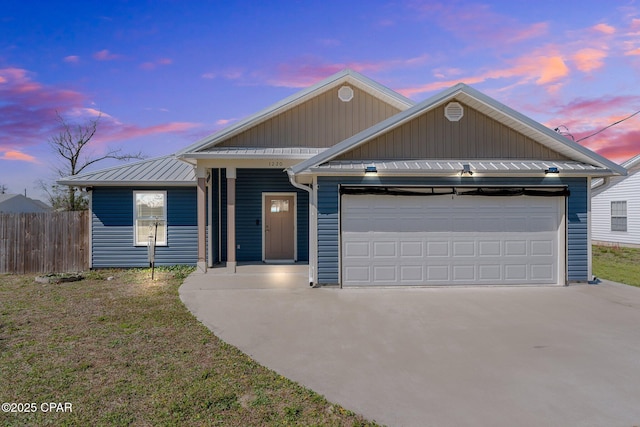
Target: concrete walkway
[[495, 356]]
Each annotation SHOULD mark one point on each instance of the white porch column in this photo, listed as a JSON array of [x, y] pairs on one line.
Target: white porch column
[[201, 173], [231, 219]]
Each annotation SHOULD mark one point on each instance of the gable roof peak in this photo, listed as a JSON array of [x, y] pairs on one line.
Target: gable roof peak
[[483, 103], [346, 75]]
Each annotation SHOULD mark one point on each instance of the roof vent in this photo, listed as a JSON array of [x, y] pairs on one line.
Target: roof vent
[[345, 93], [453, 111]]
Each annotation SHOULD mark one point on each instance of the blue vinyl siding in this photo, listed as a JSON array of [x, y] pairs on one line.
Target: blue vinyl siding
[[250, 184], [328, 218], [112, 228]]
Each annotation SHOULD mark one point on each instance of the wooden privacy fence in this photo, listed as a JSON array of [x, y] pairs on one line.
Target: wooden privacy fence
[[51, 242]]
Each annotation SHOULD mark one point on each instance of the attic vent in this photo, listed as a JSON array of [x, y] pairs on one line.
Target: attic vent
[[345, 93], [453, 111]]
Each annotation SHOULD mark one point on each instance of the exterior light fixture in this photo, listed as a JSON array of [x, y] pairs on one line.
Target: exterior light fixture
[[370, 170], [466, 170], [552, 170]]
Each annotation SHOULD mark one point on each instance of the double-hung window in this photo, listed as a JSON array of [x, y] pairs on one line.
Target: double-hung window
[[150, 214], [619, 216]]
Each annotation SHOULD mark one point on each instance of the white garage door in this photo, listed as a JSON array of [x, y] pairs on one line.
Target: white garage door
[[447, 239]]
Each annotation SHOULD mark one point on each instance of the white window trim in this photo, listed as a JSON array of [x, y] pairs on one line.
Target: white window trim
[[135, 218], [626, 216]]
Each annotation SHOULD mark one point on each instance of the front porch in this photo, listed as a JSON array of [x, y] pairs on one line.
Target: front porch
[[250, 215], [252, 276]]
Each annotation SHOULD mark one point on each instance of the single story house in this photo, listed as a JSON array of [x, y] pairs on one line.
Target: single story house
[[17, 203], [368, 188], [615, 203]]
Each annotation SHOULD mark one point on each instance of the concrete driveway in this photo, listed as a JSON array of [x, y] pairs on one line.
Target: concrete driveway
[[495, 356]]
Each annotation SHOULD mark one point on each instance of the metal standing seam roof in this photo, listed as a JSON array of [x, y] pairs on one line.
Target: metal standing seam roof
[[344, 76], [260, 152], [166, 170], [482, 103], [454, 166]]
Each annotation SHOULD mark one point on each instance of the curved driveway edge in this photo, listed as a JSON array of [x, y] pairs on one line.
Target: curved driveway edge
[[490, 356]]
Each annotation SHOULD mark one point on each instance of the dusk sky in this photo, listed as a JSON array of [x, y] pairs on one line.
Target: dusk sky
[[164, 74]]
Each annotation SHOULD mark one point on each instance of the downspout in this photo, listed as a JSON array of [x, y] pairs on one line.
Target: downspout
[[312, 223], [219, 215]]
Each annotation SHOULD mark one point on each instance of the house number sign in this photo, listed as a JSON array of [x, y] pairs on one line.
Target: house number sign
[[276, 163]]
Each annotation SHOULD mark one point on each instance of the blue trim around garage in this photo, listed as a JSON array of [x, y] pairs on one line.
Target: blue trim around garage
[[328, 216]]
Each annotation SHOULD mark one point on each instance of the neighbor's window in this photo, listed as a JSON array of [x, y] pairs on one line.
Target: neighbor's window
[[619, 216], [150, 208]]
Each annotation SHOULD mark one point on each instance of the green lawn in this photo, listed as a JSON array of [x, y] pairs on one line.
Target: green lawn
[[125, 351], [617, 264]]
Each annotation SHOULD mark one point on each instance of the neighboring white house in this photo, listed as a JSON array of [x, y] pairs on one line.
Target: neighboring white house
[[615, 208], [17, 203]]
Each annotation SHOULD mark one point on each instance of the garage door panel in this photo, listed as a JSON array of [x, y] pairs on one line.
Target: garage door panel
[[489, 248], [542, 248], [466, 249], [515, 272], [490, 272], [438, 273], [409, 249], [357, 249], [431, 241], [385, 249], [356, 274], [385, 273], [437, 248], [412, 273], [515, 248], [464, 273]]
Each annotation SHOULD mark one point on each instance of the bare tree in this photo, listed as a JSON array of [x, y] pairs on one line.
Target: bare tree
[[71, 144]]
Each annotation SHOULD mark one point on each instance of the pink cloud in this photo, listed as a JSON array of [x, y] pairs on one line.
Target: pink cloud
[[112, 130], [633, 52], [619, 146], [105, 55], [307, 71], [28, 108], [584, 117], [589, 59], [18, 156], [477, 23], [152, 65], [230, 73], [604, 28], [537, 68], [72, 59]]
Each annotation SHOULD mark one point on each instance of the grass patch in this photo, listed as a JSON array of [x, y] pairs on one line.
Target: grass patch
[[124, 350], [617, 264]]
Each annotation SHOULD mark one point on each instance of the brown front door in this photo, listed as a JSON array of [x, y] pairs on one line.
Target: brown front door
[[279, 238]]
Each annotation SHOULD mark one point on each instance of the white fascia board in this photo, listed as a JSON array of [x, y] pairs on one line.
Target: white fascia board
[[232, 156], [449, 172], [128, 183], [576, 151]]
